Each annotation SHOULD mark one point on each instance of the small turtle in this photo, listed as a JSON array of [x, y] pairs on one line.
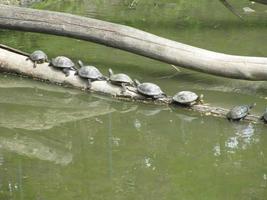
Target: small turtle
[[120, 79], [38, 57], [90, 72], [187, 98], [239, 112], [264, 116], [64, 63], [150, 90]]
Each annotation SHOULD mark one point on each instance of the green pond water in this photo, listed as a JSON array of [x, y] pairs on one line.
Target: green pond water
[[61, 143]]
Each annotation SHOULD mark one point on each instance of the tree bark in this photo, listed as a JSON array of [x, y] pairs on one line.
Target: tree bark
[[135, 41], [15, 62]]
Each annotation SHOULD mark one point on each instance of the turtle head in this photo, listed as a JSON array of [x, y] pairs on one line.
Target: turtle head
[[51, 62], [252, 105], [201, 97], [80, 63], [110, 72], [136, 82]]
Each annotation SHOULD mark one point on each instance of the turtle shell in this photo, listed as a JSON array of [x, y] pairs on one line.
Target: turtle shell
[[120, 78], [38, 56], [90, 72], [149, 89], [185, 97], [238, 112], [62, 62]]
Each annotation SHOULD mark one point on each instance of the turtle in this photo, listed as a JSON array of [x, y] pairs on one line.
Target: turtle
[[120, 79], [150, 90], [187, 98], [89, 72], [37, 56], [239, 112], [264, 116], [64, 63]]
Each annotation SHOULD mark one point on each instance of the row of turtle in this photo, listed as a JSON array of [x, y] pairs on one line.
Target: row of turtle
[[149, 90]]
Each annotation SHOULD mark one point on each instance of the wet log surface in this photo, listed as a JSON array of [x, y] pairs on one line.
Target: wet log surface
[[135, 41], [14, 61]]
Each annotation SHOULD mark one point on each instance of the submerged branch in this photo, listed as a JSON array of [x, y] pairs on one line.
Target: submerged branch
[[15, 62], [230, 7], [135, 41]]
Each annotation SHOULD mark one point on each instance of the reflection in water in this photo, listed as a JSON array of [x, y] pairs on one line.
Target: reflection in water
[[232, 144], [145, 113], [149, 163], [186, 118], [137, 124], [112, 157], [46, 111], [152, 111], [217, 150], [244, 136], [33, 148], [1, 159]]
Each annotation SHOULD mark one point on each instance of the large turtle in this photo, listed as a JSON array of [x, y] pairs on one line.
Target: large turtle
[[120, 79], [239, 112], [37, 56], [150, 90], [187, 98], [90, 72], [64, 63], [264, 116]]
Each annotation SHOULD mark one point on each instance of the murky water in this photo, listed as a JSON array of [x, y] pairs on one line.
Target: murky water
[[60, 143]]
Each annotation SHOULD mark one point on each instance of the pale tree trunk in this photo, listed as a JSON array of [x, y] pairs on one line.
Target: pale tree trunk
[[135, 41]]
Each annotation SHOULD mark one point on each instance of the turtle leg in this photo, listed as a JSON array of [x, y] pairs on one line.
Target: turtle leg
[[34, 64], [75, 69], [89, 84], [66, 72], [123, 85], [159, 96], [104, 78], [229, 118]]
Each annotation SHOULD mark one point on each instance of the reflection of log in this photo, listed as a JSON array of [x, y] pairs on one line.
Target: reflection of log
[[50, 116], [11, 61], [35, 149], [135, 41]]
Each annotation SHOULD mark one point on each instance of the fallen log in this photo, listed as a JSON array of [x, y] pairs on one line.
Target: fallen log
[[13, 61], [135, 41]]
